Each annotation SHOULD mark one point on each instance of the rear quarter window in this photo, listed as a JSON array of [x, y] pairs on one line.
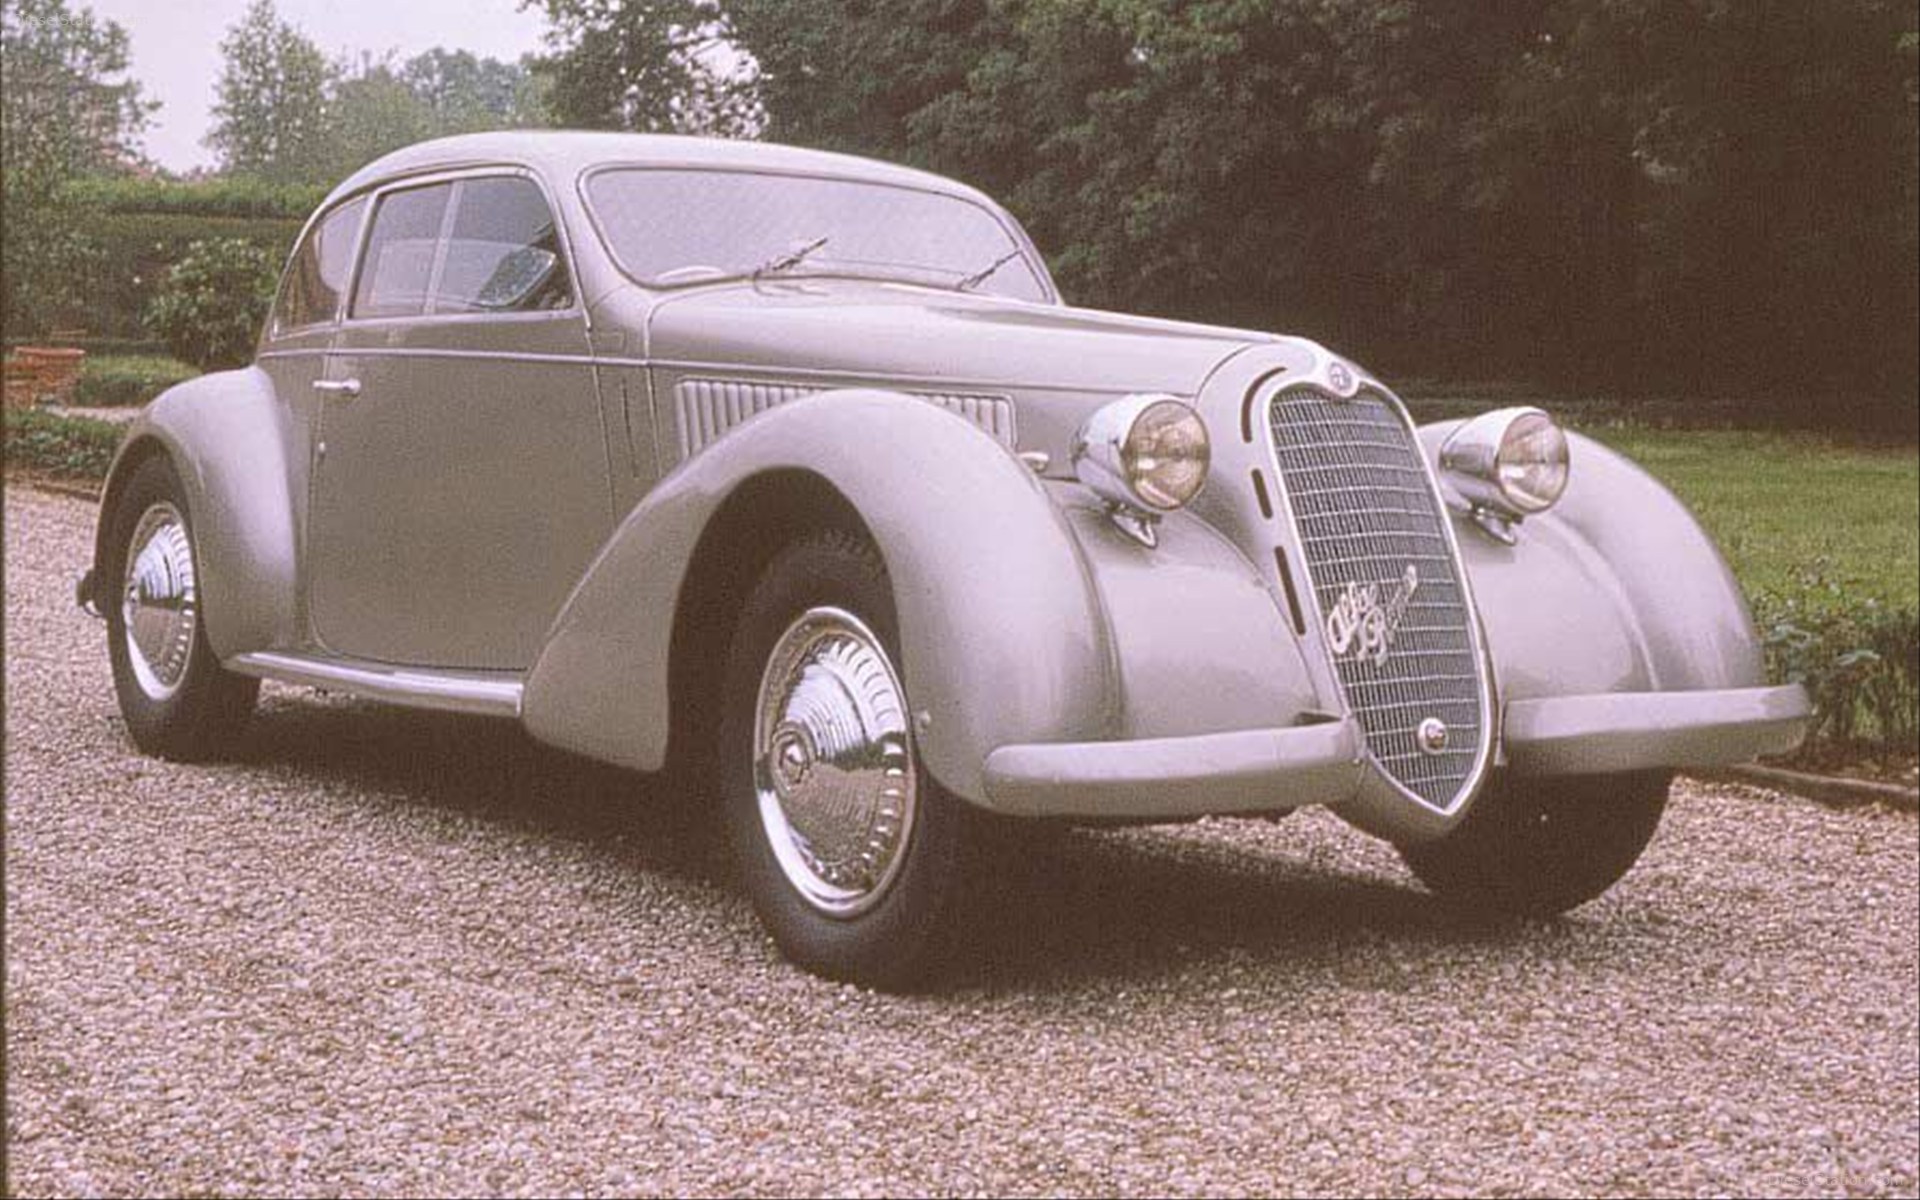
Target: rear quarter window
[[310, 294]]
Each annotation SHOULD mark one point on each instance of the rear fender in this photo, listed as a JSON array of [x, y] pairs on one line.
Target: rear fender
[[228, 438]]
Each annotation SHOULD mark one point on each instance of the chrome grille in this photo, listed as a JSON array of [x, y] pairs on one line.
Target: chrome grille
[[1362, 503]]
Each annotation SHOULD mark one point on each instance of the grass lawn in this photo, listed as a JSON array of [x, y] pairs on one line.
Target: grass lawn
[[1779, 502], [125, 380]]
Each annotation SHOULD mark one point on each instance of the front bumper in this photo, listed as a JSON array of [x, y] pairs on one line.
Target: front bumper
[[1266, 770], [1250, 770], [1630, 731]]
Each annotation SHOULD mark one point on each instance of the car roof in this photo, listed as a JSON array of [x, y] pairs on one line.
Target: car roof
[[561, 155]]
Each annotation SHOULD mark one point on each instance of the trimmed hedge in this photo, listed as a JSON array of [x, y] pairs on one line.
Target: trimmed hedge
[[221, 197], [115, 381], [140, 248], [73, 447]]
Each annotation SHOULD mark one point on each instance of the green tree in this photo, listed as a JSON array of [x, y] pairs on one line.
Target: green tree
[[1648, 192], [371, 110], [67, 110], [375, 107], [271, 118], [645, 65], [466, 92]]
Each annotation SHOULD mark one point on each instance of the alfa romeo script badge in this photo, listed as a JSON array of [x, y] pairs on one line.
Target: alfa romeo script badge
[[1364, 620]]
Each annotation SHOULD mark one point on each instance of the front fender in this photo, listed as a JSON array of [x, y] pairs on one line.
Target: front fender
[[228, 438], [1617, 588], [1001, 633]]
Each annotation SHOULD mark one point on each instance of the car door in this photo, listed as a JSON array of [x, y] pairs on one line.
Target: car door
[[460, 482]]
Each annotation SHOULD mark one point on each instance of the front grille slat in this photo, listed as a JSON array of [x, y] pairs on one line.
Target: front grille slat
[[1358, 488]]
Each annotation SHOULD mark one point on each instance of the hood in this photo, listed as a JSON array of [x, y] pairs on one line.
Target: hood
[[905, 333]]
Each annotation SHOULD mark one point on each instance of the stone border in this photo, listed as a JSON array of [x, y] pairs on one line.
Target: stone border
[[72, 489], [1834, 791]]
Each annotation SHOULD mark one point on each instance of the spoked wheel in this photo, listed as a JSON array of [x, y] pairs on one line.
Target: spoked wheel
[[846, 846], [178, 701]]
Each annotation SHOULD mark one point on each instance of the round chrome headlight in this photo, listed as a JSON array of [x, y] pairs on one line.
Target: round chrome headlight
[[1513, 461], [1145, 452]]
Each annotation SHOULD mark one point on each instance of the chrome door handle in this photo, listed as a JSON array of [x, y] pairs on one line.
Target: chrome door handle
[[346, 389]]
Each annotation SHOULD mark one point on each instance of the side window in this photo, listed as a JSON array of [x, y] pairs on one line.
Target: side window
[[310, 294], [504, 254], [397, 268]]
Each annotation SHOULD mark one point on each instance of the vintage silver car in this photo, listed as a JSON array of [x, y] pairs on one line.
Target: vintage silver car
[[793, 472]]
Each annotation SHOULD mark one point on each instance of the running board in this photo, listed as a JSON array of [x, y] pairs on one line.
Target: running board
[[489, 694]]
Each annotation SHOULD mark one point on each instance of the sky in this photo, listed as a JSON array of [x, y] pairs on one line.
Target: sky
[[176, 47]]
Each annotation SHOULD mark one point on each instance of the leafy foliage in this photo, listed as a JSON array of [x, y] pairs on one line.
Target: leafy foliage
[[1593, 191], [68, 446], [1859, 661], [123, 380], [465, 93], [211, 307], [287, 115], [66, 110], [663, 66], [270, 120], [137, 249]]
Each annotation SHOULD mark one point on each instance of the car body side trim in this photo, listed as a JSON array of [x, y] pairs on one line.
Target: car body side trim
[[756, 370], [584, 360], [485, 693]]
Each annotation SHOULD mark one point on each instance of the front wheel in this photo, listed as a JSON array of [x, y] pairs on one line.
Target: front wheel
[[1536, 846], [848, 849]]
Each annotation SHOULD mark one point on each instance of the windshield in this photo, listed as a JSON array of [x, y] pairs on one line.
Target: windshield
[[684, 226]]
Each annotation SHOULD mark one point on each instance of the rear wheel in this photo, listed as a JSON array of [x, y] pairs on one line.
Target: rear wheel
[[1536, 846], [178, 701], [848, 849]]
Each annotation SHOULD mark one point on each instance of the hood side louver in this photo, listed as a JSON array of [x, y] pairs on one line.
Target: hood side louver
[[705, 409]]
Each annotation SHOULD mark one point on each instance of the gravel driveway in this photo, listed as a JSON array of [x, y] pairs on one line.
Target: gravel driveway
[[400, 953]]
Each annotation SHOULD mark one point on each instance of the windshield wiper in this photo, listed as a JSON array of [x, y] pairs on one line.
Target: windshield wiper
[[789, 260], [985, 273]]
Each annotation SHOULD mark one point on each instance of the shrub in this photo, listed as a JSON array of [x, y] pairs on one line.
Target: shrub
[[71, 446], [1858, 659], [114, 381], [213, 301]]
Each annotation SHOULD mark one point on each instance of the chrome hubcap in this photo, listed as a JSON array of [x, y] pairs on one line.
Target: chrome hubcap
[[833, 762], [160, 601]]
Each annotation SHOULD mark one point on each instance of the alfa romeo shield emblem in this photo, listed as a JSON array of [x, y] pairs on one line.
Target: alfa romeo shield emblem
[[1340, 377]]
